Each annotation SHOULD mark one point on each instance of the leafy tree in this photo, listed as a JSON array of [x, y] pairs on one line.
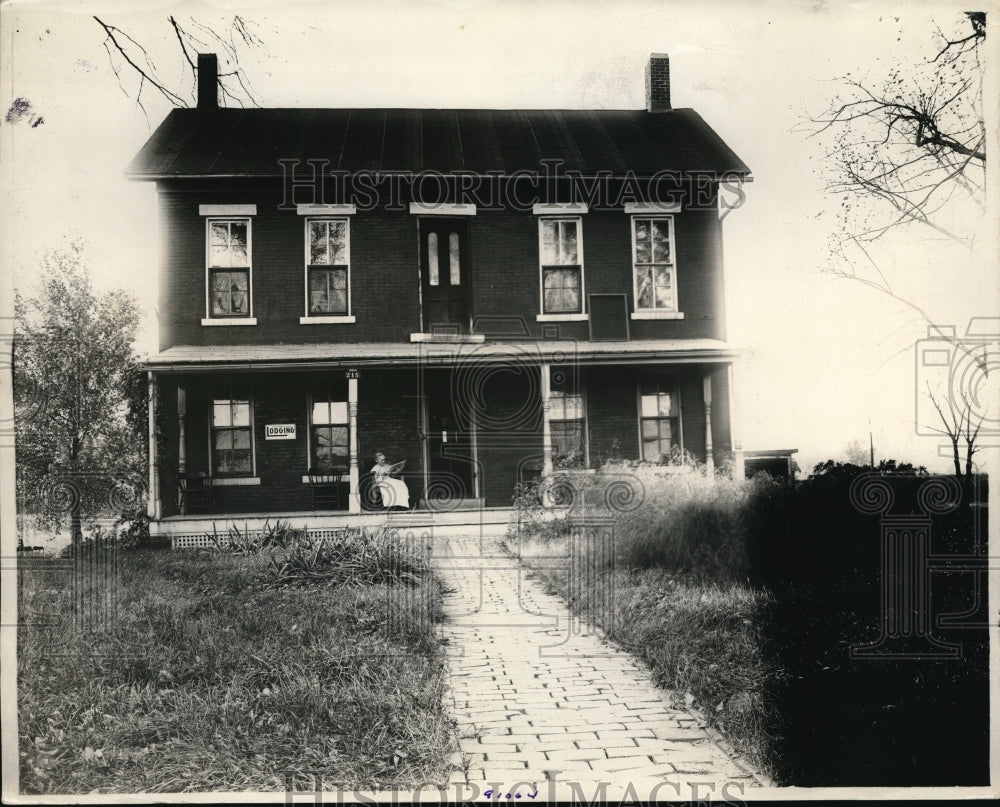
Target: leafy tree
[[834, 470], [78, 454], [857, 454]]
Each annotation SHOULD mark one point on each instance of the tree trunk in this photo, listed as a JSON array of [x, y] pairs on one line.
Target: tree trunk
[[76, 510], [958, 459]]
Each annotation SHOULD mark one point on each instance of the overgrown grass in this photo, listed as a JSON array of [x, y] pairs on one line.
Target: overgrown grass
[[208, 671]]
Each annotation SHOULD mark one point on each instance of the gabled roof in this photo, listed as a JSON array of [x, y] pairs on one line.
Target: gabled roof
[[249, 142]]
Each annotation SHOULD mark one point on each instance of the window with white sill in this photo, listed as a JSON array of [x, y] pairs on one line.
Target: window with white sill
[[561, 262], [229, 273], [654, 266], [328, 268]]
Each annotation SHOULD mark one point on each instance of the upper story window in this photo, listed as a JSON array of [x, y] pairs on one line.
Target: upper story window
[[561, 254], [654, 268], [328, 428], [328, 267], [232, 437], [659, 417], [229, 264]]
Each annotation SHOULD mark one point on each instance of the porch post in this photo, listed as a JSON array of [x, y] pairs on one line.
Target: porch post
[[354, 496], [153, 499], [181, 439], [546, 428], [707, 393], [739, 469]]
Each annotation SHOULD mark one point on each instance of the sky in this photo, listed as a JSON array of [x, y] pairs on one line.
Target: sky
[[826, 360]]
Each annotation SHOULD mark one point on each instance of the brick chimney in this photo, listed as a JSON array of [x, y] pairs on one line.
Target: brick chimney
[[658, 83], [208, 78]]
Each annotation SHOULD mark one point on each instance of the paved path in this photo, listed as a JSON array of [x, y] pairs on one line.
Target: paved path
[[540, 698]]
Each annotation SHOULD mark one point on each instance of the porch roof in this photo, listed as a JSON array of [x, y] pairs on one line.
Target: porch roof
[[321, 354]]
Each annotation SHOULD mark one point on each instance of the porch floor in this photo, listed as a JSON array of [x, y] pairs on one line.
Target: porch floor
[[196, 530]]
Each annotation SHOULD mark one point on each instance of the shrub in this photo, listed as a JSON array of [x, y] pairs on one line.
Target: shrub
[[356, 556]]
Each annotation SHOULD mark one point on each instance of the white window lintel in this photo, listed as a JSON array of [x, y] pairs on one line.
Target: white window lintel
[[559, 208], [633, 208], [326, 210], [227, 210]]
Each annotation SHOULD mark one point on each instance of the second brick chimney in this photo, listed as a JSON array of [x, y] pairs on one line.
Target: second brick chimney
[[208, 79], [658, 83]]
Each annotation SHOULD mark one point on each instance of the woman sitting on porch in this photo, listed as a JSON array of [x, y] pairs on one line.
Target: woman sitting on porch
[[393, 491]]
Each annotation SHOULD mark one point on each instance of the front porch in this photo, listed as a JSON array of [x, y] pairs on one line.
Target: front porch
[[241, 439]]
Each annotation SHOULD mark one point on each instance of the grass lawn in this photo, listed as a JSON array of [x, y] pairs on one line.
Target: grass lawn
[[210, 673], [702, 640]]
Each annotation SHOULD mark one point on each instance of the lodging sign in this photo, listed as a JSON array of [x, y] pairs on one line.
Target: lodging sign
[[279, 431]]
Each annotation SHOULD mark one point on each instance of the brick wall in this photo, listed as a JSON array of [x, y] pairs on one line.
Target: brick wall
[[503, 249]]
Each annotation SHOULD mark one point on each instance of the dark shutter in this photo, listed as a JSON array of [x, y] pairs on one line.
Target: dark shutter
[[608, 317]]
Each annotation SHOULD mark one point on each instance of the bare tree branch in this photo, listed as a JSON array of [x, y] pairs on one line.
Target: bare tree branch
[[905, 149], [144, 72], [234, 85]]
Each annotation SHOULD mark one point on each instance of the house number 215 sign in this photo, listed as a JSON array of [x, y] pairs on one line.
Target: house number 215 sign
[[279, 431]]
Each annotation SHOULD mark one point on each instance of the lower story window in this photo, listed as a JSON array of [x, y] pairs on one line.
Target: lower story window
[[329, 429], [660, 416], [232, 437], [566, 423]]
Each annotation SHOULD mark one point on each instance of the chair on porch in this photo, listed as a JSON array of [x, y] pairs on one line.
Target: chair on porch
[[327, 489], [197, 494]]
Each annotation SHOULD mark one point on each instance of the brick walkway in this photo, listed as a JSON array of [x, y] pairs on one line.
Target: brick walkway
[[543, 702]]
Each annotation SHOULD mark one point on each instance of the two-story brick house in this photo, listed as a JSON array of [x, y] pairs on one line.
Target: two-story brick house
[[487, 294]]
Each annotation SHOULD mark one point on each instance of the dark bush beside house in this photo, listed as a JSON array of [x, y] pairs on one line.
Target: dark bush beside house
[[868, 721]]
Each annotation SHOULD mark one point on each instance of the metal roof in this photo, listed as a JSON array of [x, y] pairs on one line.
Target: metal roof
[[527, 353], [249, 142]]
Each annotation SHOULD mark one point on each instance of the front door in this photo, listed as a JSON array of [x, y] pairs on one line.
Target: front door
[[449, 436], [444, 275]]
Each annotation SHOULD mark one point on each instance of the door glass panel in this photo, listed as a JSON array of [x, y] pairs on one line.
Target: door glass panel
[[456, 278], [432, 259]]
